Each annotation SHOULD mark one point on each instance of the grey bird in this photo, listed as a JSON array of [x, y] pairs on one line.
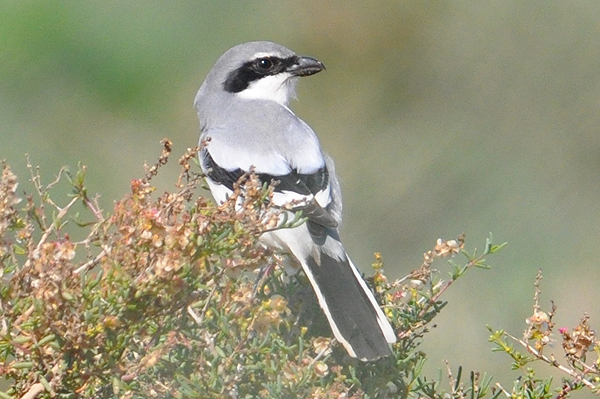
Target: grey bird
[[243, 109]]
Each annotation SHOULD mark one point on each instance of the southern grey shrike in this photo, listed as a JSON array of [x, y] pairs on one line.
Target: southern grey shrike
[[243, 109]]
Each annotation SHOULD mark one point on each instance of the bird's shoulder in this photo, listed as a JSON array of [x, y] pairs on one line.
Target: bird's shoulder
[[265, 135]]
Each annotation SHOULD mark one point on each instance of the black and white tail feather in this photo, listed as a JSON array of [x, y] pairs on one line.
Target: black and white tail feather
[[242, 107]]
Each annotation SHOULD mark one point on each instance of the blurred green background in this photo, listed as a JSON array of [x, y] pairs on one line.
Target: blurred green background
[[443, 117]]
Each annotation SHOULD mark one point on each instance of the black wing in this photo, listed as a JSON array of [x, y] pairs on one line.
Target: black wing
[[299, 183]]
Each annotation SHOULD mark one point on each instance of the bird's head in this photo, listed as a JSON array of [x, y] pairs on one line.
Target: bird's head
[[260, 70]]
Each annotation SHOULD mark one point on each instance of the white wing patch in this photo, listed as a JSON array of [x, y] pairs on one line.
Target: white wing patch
[[323, 197], [283, 198], [230, 158], [219, 192]]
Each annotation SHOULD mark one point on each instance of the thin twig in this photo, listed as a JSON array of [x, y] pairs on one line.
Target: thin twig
[[200, 319], [322, 352], [61, 214], [500, 387], [91, 262], [443, 289], [551, 362], [34, 391]]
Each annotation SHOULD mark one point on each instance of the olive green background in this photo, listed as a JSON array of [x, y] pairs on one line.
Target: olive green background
[[443, 117]]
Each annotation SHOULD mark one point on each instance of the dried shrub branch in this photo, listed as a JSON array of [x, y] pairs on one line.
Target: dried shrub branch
[[170, 296]]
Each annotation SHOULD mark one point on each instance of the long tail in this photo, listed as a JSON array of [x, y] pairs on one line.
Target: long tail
[[351, 309]]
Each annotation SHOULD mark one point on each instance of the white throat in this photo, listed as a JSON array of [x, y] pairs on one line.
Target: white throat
[[280, 88]]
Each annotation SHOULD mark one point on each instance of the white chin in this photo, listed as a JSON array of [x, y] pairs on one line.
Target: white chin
[[280, 88]]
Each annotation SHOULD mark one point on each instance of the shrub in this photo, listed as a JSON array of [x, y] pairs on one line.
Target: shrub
[[171, 296]]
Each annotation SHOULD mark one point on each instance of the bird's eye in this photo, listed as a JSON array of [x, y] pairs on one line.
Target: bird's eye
[[264, 63]]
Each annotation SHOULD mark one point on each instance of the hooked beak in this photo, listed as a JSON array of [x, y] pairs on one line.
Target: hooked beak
[[306, 66]]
